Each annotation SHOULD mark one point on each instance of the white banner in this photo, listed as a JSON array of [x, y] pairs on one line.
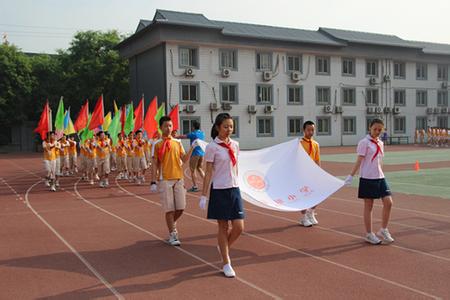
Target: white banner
[[283, 177]]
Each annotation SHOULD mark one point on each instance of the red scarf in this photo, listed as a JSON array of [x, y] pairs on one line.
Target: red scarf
[[230, 152], [310, 145], [378, 149], [164, 148]]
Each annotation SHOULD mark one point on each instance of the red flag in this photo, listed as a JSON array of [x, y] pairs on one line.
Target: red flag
[[150, 124], [98, 115], [139, 115], [43, 127], [174, 116], [83, 116], [123, 118]]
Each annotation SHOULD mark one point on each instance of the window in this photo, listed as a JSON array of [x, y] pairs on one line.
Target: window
[[229, 92], [442, 73], [295, 94], [188, 57], [348, 67], [442, 98], [399, 124], [349, 124], [235, 133], [263, 94], [228, 59], [294, 63], [348, 96], [399, 97], [399, 70], [322, 65], [421, 98], [442, 121], [371, 97], [264, 126], [190, 92], [372, 68], [421, 123], [187, 124], [295, 126], [421, 71], [323, 96], [323, 126], [264, 61]]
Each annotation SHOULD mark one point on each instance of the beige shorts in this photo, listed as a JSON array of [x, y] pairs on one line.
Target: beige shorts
[[195, 162], [139, 164], [90, 164], [129, 161], [121, 163], [50, 168], [58, 166], [65, 161], [103, 165], [173, 195], [73, 161]]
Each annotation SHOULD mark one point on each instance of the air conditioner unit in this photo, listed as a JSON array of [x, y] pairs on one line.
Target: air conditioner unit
[[378, 110], [251, 109], [226, 106], [444, 84], [295, 76], [436, 110], [387, 110], [386, 78], [444, 110], [372, 81], [226, 73], [189, 72], [338, 109], [396, 110], [190, 109], [269, 108], [429, 110], [328, 109], [370, 110], [213, 106], [267, 75]]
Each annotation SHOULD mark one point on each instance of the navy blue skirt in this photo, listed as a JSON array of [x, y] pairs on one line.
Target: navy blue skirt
[[225, 204], [373, 188]]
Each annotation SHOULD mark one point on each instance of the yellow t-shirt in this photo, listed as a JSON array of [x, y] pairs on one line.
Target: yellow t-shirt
[[102, 149], [49, 152], [73, 148], [120, 149], [129, 148], [139, 147], [314, 153], [93, 153], [171, 165]]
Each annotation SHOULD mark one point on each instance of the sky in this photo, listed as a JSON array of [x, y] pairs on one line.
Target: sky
[[43, 26]]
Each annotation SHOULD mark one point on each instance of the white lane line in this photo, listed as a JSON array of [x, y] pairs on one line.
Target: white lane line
[[18, 197], [302, 252], [254, 286], [74, 251]]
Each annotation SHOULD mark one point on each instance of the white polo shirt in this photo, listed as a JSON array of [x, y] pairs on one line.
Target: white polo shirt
[[224, 175], [370, 169]]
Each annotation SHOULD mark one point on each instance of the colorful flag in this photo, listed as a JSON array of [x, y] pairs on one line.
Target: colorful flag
[[98, 115], [116, 109], [107, 121], [83, 116], [150, 124], [59, 119], [129, 122], [174, 116], [159, 114], [44, 121], [68, 125], [86, 133], [139, 115], [115, 128], [123, 118]]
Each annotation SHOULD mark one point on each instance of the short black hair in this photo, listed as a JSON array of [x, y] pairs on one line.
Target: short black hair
[[164, 119], [196, 125], [307, 123], [138, 131], [100, 132], [376, 121]]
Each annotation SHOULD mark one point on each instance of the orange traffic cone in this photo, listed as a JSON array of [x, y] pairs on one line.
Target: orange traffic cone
[[416, 166]]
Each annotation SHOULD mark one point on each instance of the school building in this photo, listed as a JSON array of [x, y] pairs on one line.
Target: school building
[[272, 79]]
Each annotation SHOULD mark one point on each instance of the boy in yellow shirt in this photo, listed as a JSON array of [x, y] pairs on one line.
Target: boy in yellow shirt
[[103, 148], [129, 148], [73, 155], [169, 157], [139, 161], [121, 157], [49, 146]]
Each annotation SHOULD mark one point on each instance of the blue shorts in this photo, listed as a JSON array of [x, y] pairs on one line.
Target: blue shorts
[[373, 188], [225, 204]]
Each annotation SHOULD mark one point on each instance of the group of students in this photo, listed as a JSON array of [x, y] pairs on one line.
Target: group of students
[[220, 194], [435, 137]]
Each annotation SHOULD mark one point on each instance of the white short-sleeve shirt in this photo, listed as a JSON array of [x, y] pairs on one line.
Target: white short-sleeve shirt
[[370, 169], [224, 175]]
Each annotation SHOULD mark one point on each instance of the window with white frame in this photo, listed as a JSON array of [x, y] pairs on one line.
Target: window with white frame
[[399, 124], [399, 70], [349, 125], [264, 126], [322, 65], [442, 121], [348, 66], [190, 92], [228, 59], [188, 57], [263, 61], [264, 94], [372, 68], [442, 73], [421, 122], [323, 95], [295, 126], [294, 63], [421, 71], [323, 126], [442, 98], [187, 124], [295, 94], [421, 98], [372, 97], [399, 97], [348, 96], [229, 92]]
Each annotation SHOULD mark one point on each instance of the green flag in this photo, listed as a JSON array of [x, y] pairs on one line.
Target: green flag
[[85, 133], [114, 128], [59, 120], [129, 122], [159, 114]]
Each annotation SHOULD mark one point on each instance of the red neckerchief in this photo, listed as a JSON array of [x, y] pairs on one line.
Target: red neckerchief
[[309, 141], [378, 148], [230, 152], [164, 148]]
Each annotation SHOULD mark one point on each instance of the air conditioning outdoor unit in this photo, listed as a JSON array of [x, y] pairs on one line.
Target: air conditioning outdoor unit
[[189, 72], [269, 108], [226, 73], [189, 109], [267, 75], [226, 106]]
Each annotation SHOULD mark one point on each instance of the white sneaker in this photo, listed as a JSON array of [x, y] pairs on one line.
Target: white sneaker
[[91, 182], [53, 188], [97, 177], [101, 184], [305, 221], [373, 239], [57, 183], [228, 271], [47, 183], [173, 239], [312, 217], [385, 234], [106, 183]]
